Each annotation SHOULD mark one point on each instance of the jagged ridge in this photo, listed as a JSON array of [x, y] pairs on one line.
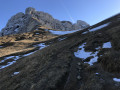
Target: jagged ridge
[[32, 19]]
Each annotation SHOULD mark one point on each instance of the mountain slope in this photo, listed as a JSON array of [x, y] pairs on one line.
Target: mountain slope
[[85, 60]]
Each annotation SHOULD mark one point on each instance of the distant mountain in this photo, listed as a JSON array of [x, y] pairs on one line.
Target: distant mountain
[[33, 19]]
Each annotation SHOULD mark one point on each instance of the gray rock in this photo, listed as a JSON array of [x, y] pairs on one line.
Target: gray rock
[[79, 77], [29, 10], [79, 64], [29, 21]]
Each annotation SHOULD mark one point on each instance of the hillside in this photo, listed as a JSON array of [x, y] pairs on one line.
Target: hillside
[[87, 59]]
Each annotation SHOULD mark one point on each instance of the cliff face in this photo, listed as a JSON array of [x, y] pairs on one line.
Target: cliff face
[[29, 21]]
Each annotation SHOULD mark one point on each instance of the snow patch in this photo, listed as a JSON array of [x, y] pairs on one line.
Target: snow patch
[[93, 60], [62, 32], [116, 79], [98, 48], [85, 32], [60, 39], [8, 64], [1, 46], [15, 58], [28, 54], [99, 27], [41, 45], [107, 45], [15, 73], [36, 29], [37, 33], [10, 57], [96, 73], [82, 54], [96, 28]]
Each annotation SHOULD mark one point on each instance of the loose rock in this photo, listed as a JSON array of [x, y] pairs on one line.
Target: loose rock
[[79, 77]]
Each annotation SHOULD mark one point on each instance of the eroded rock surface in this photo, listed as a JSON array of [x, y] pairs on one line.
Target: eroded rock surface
[[32, 19]]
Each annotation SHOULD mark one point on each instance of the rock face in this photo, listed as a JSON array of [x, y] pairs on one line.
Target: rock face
[[29, 21]]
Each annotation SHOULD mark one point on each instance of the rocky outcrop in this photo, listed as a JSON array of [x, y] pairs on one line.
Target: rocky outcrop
[[29, 21]]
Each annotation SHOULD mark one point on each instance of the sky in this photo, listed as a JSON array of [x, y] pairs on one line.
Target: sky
[[91, 11]]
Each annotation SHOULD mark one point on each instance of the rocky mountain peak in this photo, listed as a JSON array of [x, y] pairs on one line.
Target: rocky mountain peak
[[29, 10], [27, 22]]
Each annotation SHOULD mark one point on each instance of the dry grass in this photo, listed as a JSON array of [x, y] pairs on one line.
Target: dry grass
[[22, 42]]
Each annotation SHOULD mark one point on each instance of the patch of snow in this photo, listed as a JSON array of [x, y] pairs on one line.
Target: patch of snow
[[107, 45], [10, 57], [62, 32], [41, 45], [99, 27], [82, 54], [96, 73], [97, 48], [116, 79], [8, 64], [85, 32], [28, 54], [6, 58], [15, 73], [36, 29], [60, 39], [93, 60], [15, 58], [37, 33], [1, 46]]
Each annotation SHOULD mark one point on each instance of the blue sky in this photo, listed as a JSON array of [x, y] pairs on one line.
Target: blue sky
[[91, 11]]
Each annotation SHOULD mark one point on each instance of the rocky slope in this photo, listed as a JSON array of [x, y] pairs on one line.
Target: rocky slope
[[88, 59], [33, 19]]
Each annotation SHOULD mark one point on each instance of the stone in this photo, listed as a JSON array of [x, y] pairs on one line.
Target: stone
[[29, 10], [79, 64], [79, 77]]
